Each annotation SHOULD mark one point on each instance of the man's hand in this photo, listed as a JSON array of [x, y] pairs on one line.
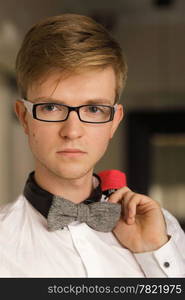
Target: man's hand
[[142, 226]]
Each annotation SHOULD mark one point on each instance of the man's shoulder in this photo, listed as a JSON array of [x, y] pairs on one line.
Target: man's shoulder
[[7, 209]]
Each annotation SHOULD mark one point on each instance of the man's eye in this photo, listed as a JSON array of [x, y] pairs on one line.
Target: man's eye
[[94, 109], [49, 107]]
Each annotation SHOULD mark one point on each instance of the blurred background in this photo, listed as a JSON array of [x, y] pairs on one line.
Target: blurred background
[[150, 144]]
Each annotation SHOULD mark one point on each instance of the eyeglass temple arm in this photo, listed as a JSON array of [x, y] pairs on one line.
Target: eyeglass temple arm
[[28, 105], [115, 107]]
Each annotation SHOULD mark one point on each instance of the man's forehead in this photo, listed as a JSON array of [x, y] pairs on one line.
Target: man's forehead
[[91, 87]]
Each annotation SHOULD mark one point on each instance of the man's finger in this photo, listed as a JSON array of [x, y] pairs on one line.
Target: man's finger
[[118, 195]]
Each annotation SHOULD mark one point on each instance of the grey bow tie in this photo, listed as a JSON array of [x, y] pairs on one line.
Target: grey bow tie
[[101, 216]]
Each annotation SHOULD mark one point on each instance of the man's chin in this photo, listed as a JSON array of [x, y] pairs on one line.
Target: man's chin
[[62, 170], [73, 174]]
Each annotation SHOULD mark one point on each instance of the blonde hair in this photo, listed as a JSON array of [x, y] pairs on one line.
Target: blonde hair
[[68, 43]]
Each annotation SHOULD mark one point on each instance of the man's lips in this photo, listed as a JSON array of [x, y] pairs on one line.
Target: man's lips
[[71, 152]]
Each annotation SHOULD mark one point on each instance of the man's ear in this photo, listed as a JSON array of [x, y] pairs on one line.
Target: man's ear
[[118, 116], [20, 111]]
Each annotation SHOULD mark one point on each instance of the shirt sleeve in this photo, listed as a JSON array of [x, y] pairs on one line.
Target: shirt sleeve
[[169, 260]]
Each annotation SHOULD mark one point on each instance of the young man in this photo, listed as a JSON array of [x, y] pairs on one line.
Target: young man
[[70, 73]]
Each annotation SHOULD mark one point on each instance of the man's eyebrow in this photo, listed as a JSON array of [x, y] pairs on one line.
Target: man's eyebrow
[[100, 101], [97, 101], [47, 100]]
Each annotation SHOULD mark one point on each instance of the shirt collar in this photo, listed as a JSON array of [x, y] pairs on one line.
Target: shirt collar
[[42, 199]]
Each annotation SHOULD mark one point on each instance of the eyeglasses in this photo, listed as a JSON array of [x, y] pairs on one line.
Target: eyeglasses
[[54, 112]]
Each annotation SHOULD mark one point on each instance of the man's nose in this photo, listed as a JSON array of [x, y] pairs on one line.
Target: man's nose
[[72, 128]]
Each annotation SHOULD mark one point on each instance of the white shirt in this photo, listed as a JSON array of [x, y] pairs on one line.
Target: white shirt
[[28, 249]]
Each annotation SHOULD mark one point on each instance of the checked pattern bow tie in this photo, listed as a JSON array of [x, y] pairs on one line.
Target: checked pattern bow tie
[[101, 216]]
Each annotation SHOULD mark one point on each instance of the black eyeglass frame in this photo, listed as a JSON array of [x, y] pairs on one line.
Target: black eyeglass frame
[[33, 110]]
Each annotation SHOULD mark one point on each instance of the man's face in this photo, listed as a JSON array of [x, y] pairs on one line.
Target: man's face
[[70, 149]]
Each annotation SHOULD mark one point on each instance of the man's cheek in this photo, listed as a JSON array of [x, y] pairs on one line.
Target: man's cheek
[[103, 139], [36, 140], [101, 145]]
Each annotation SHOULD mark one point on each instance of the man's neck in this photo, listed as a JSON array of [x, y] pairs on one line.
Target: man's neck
[[75, 190]]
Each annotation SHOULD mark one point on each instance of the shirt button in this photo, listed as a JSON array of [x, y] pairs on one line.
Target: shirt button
[[166, 264]]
